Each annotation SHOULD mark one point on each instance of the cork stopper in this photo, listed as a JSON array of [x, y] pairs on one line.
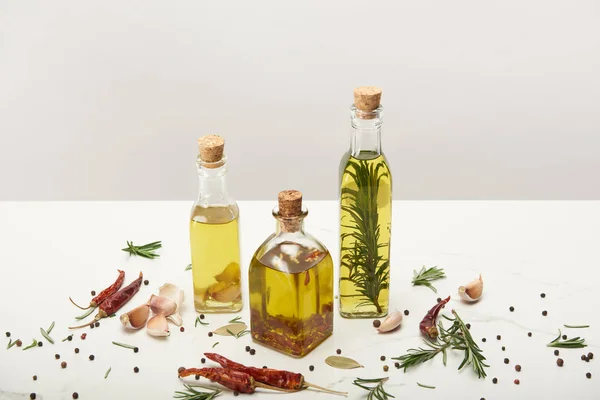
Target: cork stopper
[[211, 148], [290, 203], [367, 99]]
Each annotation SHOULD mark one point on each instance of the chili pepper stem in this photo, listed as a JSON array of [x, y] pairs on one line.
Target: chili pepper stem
[[322, 389], [98, 317], [262, 385], [78, 306]]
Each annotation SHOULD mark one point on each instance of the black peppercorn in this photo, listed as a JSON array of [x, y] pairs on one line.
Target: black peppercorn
[[511, 308], [468, 325], [544, 313], [32, 396], [93, 292], [136, 349], [560, 362], [542, 295], [182, 329], [376, 323], [40, 343], [75, 395], [564, 337], [210, 334], [556, 352], [146, 282], [76, 350], [517, 381], [397, 365], [311, 367], [498, 337], [201, 316], [91, 357], [264, 367], [63, 364], [588, 375], [439, 299], [57, 356], [584, 357], [180, 370], [247, 348], [382, 358], [7, 334], [197, 377], [503, 348], [518, 368], [203, 360], [70, 337], [252, 352], [483, 340], [529, 334], [590, 355], [339, 351], [35, 377], [97, 324], [386, 368], [506, 361], [92, 325], [495, 380], [236, 393], [406, 312], [136, 369]]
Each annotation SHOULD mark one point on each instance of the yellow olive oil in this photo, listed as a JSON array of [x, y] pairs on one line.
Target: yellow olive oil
[[365, 227], [216, 259], [291, 297]]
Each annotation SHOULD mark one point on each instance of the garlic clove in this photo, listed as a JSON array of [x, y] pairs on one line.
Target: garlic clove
[[231, 273], [393, 320], [136, 318], [171, 291], [162, 305], [158, 326], [224, 292], [472, 291]]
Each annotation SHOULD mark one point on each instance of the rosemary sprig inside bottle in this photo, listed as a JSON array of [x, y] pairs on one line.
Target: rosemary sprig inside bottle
[[573, 343], [146, 250], [192, 394], [427, 275], [374, 387], [457, 337]]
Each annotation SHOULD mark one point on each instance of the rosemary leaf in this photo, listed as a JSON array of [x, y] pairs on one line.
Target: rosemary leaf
[[67, 338], [189, 266], [576, 326], [127, 346], [107, 372], [33, 344], [374, 387], [216, 343], [573, 343], [86, 314], [50, 329], [10, 344], [425, 386], [45, 335], [146, 250], [427, 275], [192, 394], [236, 320], [199, 321]]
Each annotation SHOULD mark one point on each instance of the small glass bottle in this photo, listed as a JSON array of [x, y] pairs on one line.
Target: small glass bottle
[[291, 284], [214, 237], [365, 213]]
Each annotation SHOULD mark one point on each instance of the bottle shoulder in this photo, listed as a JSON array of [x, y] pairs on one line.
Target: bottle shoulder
[[290, 253]]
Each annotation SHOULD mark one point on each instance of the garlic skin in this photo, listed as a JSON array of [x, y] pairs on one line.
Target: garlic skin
[[162, 305], [472, 291], [158, 326], [393, 320], [171, 291], [136, 318]]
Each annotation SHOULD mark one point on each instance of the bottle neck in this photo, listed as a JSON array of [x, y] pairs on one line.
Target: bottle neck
[[289, 224], [365, 139], [212, 182]]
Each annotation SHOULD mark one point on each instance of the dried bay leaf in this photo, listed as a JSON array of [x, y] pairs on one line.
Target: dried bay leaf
[[228, 329], [342, 362]]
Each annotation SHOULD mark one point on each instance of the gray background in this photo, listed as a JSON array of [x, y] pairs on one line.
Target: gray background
[[104, 100]]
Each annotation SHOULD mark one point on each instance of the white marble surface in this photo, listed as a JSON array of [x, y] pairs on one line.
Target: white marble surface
[[52, 250]]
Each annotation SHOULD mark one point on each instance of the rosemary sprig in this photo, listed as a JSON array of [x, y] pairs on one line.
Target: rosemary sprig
[[107, 372], [50, 329], [573, 343], [457, 337], [192, 394], [236, 320], [375, 391], [46, 336], [239, 334], [86, 314], [146, 250], [33, 344], [576, 326], [189, 266], [67, 338], [216, 343], [425, 386], [427, 275], [10, 344], [199, 321], [364, 258], [127, 346]]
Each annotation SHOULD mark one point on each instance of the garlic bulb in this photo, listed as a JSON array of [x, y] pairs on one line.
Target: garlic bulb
[[136, 318], [157, 326], [162, 305], [171, 291], [393, 320], [472, 291]]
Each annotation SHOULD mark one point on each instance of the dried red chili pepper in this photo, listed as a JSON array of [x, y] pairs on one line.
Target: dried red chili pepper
[[428, 326], [234, 380], [115, 301], [96, 301], [286, 380]]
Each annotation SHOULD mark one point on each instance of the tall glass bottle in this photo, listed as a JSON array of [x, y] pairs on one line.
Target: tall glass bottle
[[214, 237], [365, 213], [291, 284]]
